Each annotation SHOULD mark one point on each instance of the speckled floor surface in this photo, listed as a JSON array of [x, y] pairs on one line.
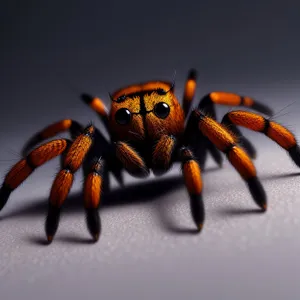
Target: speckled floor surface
[[148, 249]]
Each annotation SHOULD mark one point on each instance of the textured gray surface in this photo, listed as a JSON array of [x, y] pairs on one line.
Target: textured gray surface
[[147, 249]]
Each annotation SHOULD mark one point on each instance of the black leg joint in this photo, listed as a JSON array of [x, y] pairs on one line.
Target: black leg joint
[[93, 222], [52, 220], [5, 192], [242, 101], [193, 74], [30, 163], [294, 153], [266, 126], [197, 210], [228, 149], [186, 155]]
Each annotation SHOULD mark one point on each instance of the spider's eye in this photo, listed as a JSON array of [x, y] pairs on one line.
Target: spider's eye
[[162, 110], [161, 91], [123, 116]]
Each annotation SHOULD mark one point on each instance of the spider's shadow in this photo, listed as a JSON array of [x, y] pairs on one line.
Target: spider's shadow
[[136, 194], [129, 194]]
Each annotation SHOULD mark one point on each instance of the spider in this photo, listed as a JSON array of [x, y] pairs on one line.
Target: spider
[[149, 130]]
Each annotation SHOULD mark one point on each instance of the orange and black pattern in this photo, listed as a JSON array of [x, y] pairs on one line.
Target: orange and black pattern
[[64, 179], [193, 181], [21, 170], [51, 131], [148, 129], [98, 106], [189, 91], [231, 99], [92, 193], [276, 132], [227, 143]]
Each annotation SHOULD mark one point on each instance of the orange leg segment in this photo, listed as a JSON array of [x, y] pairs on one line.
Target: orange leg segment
[[231, 99], [51, 131], [278, 133], [193, 181], [98, 106], [240, 160], [64, 179], [189, 91], [92, 193], [21, 170]]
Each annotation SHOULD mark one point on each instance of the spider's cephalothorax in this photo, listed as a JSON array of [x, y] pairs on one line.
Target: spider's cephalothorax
[[149, 130], [144, 114]]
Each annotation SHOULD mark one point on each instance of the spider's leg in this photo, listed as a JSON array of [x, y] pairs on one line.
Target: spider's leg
[[207, 106], [52, 130], [189, 91], [102, 148], [208, 102], [192, 177], [242, 140], [98, 106], [278, 133], [64, 179], [131, 160], [226, 143], [163, 154], [92, 195], [199, 144], [22, 169]]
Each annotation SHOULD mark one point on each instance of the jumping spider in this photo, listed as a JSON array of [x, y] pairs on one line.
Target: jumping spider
[[149, 130]]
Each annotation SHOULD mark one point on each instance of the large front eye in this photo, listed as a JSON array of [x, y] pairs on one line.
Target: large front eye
[[123, 116], [162, 110]]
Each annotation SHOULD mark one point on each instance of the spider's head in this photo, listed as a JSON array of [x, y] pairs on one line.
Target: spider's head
[[145, 110]]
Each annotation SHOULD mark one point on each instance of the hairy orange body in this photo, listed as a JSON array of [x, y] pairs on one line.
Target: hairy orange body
[[140, 100], [146, 127]]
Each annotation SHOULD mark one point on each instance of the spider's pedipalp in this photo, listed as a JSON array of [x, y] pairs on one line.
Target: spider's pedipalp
[[64, 179], [21, 170], [92, 193], [226, 143], [163, 154], [278, 133], [193, 181], [131, 160], [52, 130]]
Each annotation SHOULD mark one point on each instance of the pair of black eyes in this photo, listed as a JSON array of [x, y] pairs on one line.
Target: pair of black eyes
[[161, 110]]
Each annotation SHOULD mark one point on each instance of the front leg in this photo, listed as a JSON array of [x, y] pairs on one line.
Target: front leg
[[131, 160]]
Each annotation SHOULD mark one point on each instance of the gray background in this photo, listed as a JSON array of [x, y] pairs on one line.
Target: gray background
[[53, 50]]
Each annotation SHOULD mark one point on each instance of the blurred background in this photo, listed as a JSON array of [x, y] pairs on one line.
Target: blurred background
[[51, 51]]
